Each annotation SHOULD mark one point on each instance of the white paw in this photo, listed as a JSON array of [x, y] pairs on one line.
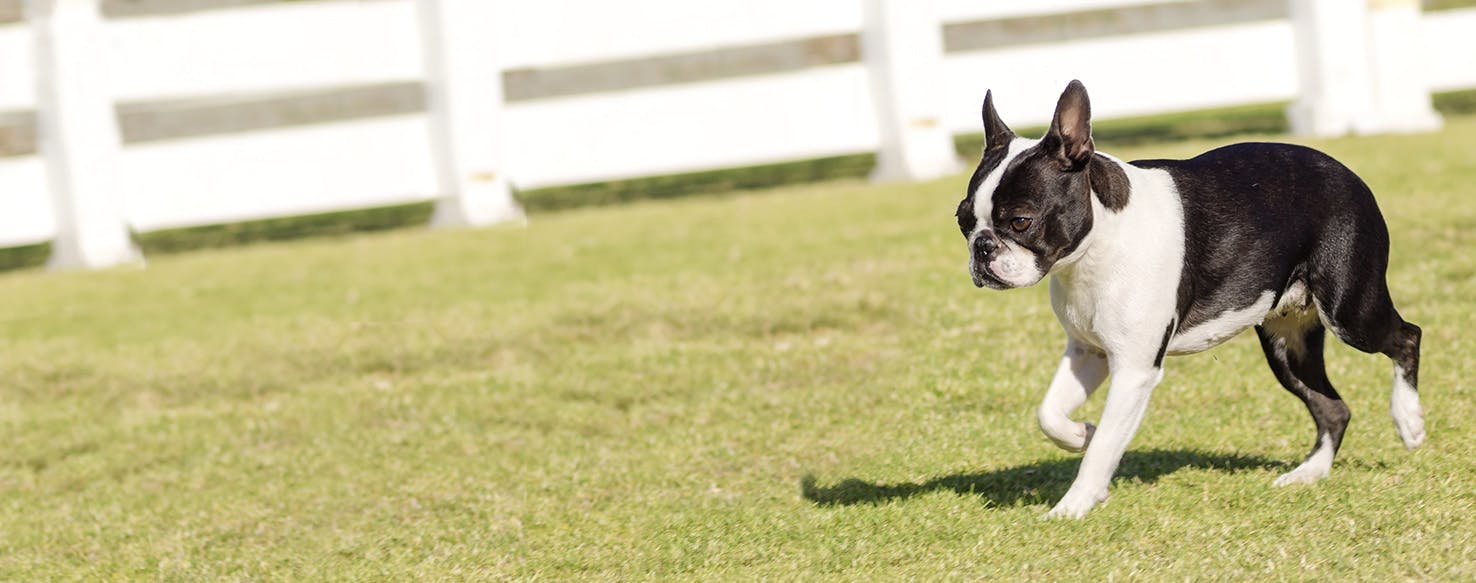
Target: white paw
[[1306, 473], [1077, 440], [1314, 468], [1409, 419], [1074, 506]]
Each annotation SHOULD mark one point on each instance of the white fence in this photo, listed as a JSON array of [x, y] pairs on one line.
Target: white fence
[[606, 90]]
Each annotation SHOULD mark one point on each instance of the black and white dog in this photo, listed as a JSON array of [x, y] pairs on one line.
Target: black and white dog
[[1157, 257]]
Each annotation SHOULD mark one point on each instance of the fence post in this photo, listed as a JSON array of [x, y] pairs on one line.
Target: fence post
[[902, 46], [464, 100], [1359, 68], [1335, 92], [1401, 92], [78, 133]]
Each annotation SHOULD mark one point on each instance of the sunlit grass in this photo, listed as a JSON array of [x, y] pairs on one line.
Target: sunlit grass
[[799, 383]]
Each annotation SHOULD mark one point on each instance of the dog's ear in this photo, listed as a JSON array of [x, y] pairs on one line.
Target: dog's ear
[[996, 133], [1070, 136]]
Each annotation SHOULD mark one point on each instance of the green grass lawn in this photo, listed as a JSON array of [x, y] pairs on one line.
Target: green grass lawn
[[792, 384]]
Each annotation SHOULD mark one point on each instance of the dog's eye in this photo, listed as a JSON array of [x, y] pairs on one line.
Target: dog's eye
[[1020, 224]]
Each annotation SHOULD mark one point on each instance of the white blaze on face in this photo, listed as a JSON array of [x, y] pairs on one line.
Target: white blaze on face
[[984, 197], [1012, 264]]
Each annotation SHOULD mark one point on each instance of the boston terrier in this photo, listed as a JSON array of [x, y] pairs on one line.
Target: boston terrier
[[1167, 257]]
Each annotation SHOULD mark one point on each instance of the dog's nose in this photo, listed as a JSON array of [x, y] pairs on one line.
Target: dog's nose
[[984, 244]]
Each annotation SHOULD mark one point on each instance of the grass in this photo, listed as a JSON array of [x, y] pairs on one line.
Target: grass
[[1434, 5], [791, 384]]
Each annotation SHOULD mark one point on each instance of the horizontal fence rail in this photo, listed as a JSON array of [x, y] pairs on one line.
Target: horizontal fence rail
[[233, 110]]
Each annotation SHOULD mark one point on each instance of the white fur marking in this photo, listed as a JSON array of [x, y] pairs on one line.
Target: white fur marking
[[1079, 374], [1118, 293], [1075, 504], [1223, 327], [1404, 406], [1015, 265], [1294, 299], [1127, 403], [1118, 289], [984, 196], [1315, 468], [1287, 321]]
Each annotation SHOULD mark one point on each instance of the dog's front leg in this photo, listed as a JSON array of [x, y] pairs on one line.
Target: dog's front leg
[[1082, 369], [1127, 401]]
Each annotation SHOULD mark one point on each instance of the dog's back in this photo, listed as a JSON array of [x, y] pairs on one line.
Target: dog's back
[[1302, 217]]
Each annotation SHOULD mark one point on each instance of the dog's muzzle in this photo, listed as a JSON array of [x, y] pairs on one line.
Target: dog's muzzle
[[981, 252]]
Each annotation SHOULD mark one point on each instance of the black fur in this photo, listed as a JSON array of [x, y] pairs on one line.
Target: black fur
[[997, 135], [1303, 374], [1168, 334], [1260, 217], [1109, 182]]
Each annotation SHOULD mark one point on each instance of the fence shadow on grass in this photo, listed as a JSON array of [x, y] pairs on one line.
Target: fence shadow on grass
[[1038, 483]]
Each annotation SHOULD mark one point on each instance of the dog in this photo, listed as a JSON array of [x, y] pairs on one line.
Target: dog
[[1168, 257]]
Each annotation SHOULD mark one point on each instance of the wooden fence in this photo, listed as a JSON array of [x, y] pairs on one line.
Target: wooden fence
[[138, 115]]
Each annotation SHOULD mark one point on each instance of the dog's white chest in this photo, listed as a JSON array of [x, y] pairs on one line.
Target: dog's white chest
[[1076, 309], [1124, 288]]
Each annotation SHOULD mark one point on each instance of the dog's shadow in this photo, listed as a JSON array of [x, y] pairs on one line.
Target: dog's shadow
[[1038, 483]]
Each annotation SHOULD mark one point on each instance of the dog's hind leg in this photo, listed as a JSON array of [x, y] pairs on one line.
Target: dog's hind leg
[[1293, 345], [1392, 336], [1082, 369], [1348, 283], [1404, 401]]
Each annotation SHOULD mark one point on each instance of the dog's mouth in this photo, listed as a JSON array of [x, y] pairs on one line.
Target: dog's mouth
[[982, 277]]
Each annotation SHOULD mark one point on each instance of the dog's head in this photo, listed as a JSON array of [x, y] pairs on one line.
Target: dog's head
[[1029, 203]]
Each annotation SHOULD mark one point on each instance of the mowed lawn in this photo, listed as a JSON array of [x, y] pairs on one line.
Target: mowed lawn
[[797, 384]]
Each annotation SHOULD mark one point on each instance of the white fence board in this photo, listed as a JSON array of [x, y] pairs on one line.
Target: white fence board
[[967, 10], [17, 72], [264, 48], [1140, 74], [819, 112], [553, 32], [655, 130], [25, 206], [1450, 47], [284, 172], [281, 47]]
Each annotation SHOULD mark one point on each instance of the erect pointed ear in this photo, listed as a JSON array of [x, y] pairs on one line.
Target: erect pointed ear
[[1070, 136], [996, 133]]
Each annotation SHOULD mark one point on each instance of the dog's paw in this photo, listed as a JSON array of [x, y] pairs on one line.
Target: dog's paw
[[1306, 473], [1409, 418], [1076, 441], [1074, 506]]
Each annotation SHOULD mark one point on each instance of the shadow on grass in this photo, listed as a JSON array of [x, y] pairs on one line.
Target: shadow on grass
[[1038, 483]]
